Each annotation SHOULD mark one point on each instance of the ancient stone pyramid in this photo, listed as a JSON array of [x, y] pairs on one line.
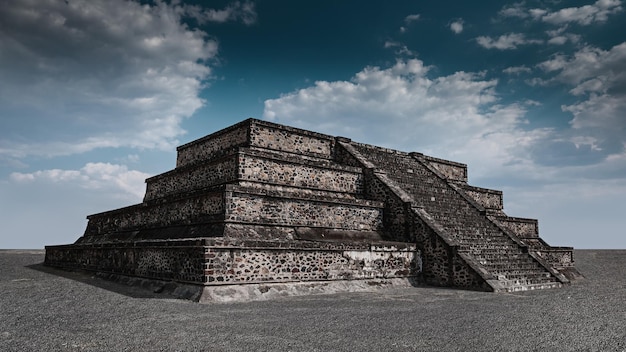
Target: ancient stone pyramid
[[260, 206]]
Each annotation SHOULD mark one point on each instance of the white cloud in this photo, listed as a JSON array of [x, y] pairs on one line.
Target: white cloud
[[556, 63], [113, 179], [591, 63], [603, 111], [598, 79], [411, 18], [584, 15], [514, 10], [457, 26], [235, 11], [506, 42], [459, 117], [400, 49], [455, 116], [560, 37], [517, 70], [49, 206], [81, 75], [558, 40], [592, 85], [408, 20], [537, 13]]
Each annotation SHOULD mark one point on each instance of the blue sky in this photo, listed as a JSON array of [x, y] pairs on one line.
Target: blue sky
[[96, 95]]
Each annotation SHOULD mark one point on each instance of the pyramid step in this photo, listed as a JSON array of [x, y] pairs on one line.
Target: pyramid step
[[482, 239], [509, 263], [489, 250], [494, 248], [522, 274], [532, 282], [503, 259], [478, 237], [519, 272], [500, 260], [480, 244], [527, 278], [508, 286], [513, 264]]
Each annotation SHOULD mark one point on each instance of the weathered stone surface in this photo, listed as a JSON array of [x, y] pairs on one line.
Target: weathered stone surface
[[265, 204], [487, 198], [213, 145], [238, 261], [449, 169]]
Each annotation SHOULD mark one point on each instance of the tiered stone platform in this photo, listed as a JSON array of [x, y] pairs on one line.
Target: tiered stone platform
[[260, 206]]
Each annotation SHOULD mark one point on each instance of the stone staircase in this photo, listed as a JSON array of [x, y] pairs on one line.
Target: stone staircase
[[496, 254]]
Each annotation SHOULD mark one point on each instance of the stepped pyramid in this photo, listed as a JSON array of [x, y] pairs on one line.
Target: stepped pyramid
[[260, 207]]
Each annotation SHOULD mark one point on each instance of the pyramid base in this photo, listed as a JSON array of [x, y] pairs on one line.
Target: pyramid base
[[255, 292], [227, 269]]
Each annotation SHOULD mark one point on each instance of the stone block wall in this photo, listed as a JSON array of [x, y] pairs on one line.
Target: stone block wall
[[182, 261], [259, 262], [449, 169], [395, 212], [194, 177], [263, 167], [559, 257], [227, 262], [291, 140], [197, 209], [213, 145], [260, 209], [293, 190], [256, 133], [487, 198], [521, 227]]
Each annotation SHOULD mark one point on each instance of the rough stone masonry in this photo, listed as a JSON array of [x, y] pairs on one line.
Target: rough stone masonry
[[260, 208]]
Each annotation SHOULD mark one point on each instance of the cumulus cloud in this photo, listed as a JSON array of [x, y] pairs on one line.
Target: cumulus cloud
[[598, 12], [556, 63], [506, 42], [456, 116], [585, 15], [604, 112], [560, 37], [81, 75], [597, 78], [514, 10], [460, 117], [591, 63], [457, 26], [114, 179]]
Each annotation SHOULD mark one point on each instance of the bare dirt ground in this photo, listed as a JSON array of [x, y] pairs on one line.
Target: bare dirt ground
[[43, 309]]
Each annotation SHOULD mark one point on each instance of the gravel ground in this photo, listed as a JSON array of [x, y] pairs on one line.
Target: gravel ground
[[43, 309]]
